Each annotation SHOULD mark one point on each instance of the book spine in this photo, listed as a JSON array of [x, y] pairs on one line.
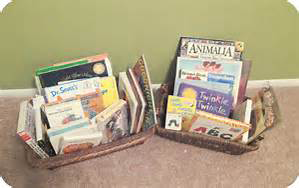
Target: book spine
[[33, 145]]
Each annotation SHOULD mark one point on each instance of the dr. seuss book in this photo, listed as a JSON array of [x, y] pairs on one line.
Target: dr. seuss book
[[140, 99], [60, 114], [210, 48], [217, 126], [206, 66], [141, 72], [107, 86], [126, 92], [94, 66], [207, 100], [26, 129], [179, 109], [113, 121]]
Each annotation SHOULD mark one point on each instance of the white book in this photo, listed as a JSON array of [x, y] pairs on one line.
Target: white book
[[126, 92], [26, 128], [40, 131]]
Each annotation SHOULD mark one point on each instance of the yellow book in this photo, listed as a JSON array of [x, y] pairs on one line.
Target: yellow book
[[179, 110], [109, 90]]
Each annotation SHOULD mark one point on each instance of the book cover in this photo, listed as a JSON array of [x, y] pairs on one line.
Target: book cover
[[113, 121], [179, 110], [207, 100], [61, 114], [141, 72], [246, 68], [140, 98], [213, 125], [94, 66], [215, 66], [216, 86], [92, 104], [75, 143], [211, 48], [26, 128], [126, 93], [242, 112]]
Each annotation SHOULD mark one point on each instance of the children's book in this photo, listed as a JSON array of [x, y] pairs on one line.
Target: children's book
[[92, 104], [179, 110], [140, 98], [141, 72], [113, 121], [126, 93], [212, 66], [213, 125], [26, 128], [246, 68], [210, 48], [94, 66], [207, 100]]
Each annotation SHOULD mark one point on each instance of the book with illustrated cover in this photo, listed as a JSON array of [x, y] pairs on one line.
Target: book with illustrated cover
[[222, 78], [242, 112], [61, 114], [211, 48], [92, 104], [26, 128], [216, 67], [126, 93], [94, 66], [113, 121], [141, 72], [140, 98], [207, 100], [73, 128], [107, 85], [216, 86], [213, 125], [179, 109]]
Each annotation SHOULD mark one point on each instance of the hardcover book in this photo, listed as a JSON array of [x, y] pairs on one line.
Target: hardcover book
[[216, 67], [213, 125], [246, 68], [207, 100], [26, 129], [179, 110], [210, 48], [126, 93], [140, 99], [141, 72], [113, 121], [94, 66]]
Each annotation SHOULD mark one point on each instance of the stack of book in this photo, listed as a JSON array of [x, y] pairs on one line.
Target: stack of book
[[79, 105], [209, 91]]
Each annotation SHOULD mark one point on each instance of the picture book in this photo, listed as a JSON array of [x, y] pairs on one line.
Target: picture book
[[94, 66], [140, 99], [55, 133], [222, 78], [242, 112], [61, 114], [107, 86], [213, 125], [113, 121], [75, 143], [215, 66], [92, 104], [210, 48], [26, 128], [207, 100], [216, 86], [71, 89], [141, 72], [126, 93], [246, 68], [179, 109]]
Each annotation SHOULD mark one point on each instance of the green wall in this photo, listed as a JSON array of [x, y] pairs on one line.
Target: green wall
[[35, 33]]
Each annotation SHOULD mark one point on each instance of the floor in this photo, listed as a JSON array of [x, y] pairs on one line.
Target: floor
[[163, 163]]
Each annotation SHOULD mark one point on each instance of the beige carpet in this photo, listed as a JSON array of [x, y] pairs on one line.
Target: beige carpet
[[163, 163]]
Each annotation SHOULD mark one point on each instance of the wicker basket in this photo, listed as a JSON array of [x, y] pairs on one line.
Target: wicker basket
[[97, 151], [210, 142]]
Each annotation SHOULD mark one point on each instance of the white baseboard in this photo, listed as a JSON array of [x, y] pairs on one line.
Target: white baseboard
[[251, 84]]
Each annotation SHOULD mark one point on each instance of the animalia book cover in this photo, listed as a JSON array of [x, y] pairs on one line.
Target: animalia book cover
[[207, 100]]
